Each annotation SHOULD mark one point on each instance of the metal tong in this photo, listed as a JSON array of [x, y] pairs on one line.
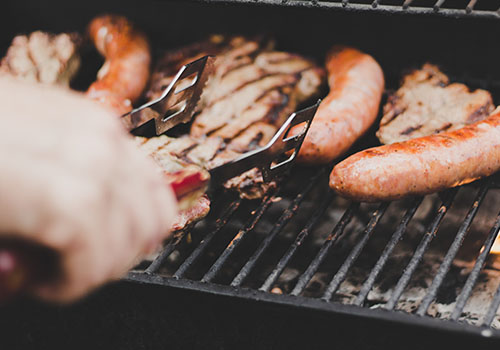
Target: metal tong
[[177, 105], [178, 96], [274, 160]]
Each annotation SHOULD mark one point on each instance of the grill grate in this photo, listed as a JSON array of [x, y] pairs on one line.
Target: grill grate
[[451, 8], [212, 263], [304, 246]]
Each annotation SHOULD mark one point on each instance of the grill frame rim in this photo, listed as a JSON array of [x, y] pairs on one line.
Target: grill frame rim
[[315, 304], [367, 8]]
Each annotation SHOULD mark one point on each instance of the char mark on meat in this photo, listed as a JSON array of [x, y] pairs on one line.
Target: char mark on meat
[[251, 92], [427, 103]]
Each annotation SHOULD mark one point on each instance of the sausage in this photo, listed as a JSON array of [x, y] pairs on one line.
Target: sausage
[[421, 166], [126, 69], [356, 85]]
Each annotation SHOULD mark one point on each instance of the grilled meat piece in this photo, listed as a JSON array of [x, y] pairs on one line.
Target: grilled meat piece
[[159, 148], [43, 57], [421, 166], [251, 92], [427, 104]]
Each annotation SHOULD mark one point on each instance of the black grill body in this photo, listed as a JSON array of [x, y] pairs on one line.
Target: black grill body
[[203, 292]]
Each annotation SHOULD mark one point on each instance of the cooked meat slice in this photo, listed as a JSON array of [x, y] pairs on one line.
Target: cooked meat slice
[[272, 107], [173, 167], [206, 151], [223, 112], [43, 57], [250, 184], [255, 136], [249, 95], [196, 212], [230, 53], [427, 104]]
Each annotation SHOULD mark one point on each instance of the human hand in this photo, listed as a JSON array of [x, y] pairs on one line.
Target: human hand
[[72, 180]]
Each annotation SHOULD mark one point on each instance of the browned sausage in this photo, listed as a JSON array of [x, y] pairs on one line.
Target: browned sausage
[[125, 72], [421, 166], [356, 85]]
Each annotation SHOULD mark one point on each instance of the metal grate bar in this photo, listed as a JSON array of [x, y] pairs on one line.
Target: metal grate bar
[[438, 4], [220, 223], [452, 251], [282, 221], [273, 276], [407, 4], [476, 270], [155, 265], [325, 248], [470, 6], [349, 261], [492, 311], [421, 249], [254, 219], [440, 7], [379, 265]]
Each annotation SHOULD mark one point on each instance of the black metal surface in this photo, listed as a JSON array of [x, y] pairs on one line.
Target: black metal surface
[[367, 286], [351, 258], [329, 242], [256, 215], [471, 280], [235, 285], [282, 221], [271, 279], [421, 249], [452, 252], [449, 8]]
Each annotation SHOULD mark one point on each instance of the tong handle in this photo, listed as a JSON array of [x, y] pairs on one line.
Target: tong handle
[[186, 97], [267, 158]]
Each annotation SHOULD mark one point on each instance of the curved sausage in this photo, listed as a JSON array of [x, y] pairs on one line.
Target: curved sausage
[[356, 85], [422, 165], [125, 73]]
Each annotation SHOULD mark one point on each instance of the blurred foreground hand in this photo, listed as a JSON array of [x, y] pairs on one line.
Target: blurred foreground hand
[[72, 180]]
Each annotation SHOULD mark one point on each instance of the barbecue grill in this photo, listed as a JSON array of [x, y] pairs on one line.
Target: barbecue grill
[[301, 265]]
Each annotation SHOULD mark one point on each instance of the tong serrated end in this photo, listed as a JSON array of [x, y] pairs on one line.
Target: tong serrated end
[[182, 98], [269, 158]]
